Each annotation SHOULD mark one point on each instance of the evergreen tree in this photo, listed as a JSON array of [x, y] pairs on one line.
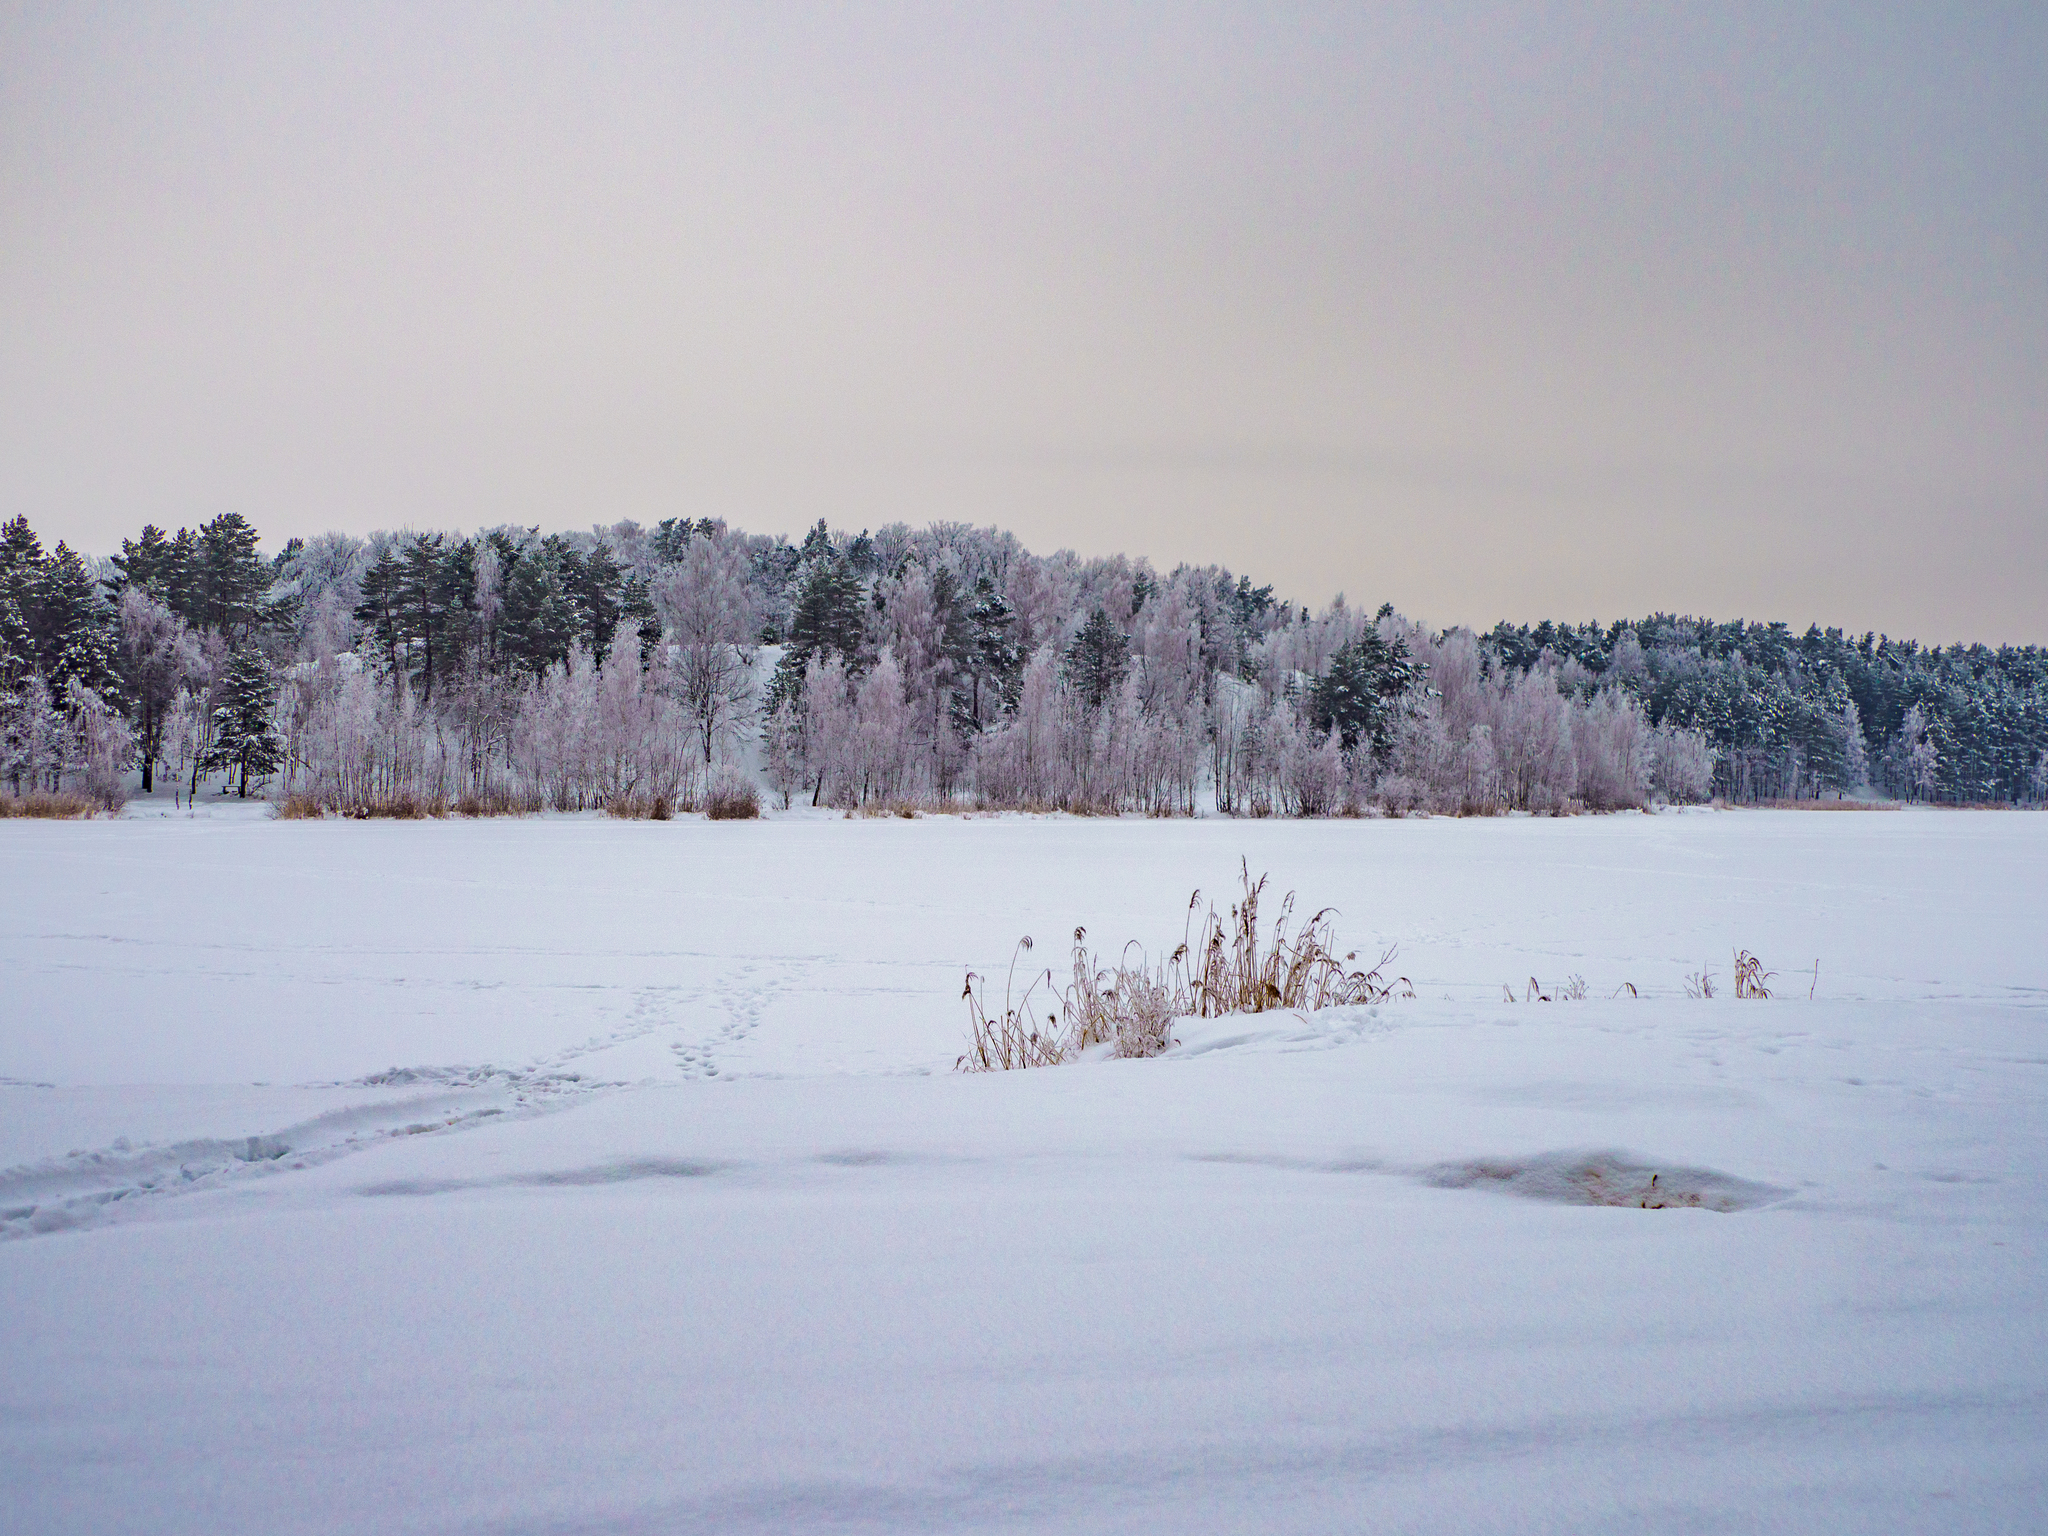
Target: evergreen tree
[[21, 567], [181, 577], [154, 563], [381, 610], [592, 584], [671, 538], [75, 629], [431, 594], [860, 554], [825, 621], [1097, 659], [1360, 693], [231, 579], [537, 622], [994, 664], [53, 621], [244, 740]]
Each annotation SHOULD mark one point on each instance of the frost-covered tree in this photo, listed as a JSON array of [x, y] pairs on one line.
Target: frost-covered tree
[[708, 623], [31, 737], [159, 656]]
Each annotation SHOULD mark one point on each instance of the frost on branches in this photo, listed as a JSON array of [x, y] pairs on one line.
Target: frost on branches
[[629, 668]]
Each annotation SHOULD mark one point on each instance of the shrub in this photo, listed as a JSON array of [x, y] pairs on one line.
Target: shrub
[[732, 797]]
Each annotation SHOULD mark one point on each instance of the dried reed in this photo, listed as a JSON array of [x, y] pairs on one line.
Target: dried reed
[[1750, 976], [1131, 1006], [48, 805]]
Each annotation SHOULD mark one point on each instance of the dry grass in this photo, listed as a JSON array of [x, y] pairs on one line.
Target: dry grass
[[299, 808], [48, 805], [1231, 968], [1573, 991]]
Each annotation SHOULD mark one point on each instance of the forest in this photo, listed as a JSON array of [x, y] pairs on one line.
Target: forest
[[646, 671]]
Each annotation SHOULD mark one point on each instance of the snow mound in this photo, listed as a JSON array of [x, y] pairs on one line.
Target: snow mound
[[1607, 1178]]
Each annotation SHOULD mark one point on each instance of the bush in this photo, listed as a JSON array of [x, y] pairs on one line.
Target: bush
[[732, 797]]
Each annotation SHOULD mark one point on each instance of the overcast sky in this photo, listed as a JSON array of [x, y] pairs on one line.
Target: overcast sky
[[1513, 312]]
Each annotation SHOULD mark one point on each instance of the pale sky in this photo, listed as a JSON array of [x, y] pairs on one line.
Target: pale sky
[[1504, 312]]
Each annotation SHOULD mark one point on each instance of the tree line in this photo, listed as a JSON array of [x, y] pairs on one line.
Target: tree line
[[633, 668]]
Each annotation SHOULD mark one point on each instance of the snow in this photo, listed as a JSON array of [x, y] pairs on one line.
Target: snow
[[673, 1215]]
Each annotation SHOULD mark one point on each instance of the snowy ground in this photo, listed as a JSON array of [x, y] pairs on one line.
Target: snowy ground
[[672, 1216]]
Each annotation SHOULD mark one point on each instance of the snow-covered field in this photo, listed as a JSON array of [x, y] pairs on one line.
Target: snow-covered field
[[566, 1175]]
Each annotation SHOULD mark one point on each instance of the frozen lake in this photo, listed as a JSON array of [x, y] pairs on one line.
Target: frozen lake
[[566, 1175]]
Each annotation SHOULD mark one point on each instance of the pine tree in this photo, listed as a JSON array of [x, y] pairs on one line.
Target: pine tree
[[825, 621], [1097, 659], [593, 585], [21, 565], [537, 622], [244, 740], [380, 611], [232, 580], [150, 562], [431, 595], [53, 622], [1358, 695], [75, 631], [993, 658]]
